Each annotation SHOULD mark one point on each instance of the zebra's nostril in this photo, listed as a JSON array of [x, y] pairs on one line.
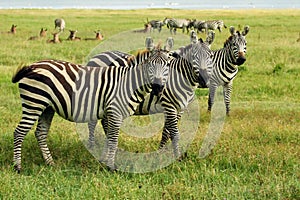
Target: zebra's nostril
[[156, 89]]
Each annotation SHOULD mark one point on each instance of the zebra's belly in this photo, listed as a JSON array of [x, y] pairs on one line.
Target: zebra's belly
[[86, 108]]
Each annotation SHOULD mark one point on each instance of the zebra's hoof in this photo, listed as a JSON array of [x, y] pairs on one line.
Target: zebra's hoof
[[112, 169], [17, 169]]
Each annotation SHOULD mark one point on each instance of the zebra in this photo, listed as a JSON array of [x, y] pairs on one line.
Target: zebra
[[60, 24], [225, 65], [83, 94], [199, 25], [173, 24], [193, 37], [155, 24], [213, 25], [187, 66]]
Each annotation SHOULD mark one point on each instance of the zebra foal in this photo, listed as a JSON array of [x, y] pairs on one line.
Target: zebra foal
[[225, 65], [83, 94]]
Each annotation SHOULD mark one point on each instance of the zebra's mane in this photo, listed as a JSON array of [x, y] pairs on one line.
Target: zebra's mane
[[227, 42], [132, 58]]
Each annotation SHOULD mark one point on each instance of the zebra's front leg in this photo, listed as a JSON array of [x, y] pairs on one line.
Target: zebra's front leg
[[113, 124], [103, 156], [164, 138], [91, 141], [41, 134], [227, 96], [171, 124], [166, 133], [211, 96]]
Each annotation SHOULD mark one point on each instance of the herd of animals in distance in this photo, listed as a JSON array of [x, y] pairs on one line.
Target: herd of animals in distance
[[171, 23]]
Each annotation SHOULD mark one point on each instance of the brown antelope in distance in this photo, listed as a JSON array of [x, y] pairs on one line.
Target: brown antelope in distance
[[43, 33], [72, 36], [55, 38], [13, 29], [99, 36], [147, 29]]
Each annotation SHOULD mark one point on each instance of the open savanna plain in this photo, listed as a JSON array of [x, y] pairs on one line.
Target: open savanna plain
[[256, 157]]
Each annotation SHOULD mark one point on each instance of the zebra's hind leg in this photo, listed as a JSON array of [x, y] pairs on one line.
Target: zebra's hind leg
[[41, 134], [24, 126]]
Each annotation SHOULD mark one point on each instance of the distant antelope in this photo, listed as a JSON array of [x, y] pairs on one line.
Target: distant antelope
[[43, 33], [72, 36], [60, 23], [55, 38], [99, 36], [147, 29], [13, 29]]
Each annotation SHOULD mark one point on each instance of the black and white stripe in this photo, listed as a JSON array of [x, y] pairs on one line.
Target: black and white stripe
[[214, 25], [84, 94], [187, 67], [60, 24], [173, 24], [226, 62]]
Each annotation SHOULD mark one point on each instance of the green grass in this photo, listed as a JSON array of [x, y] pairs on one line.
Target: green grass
[[256, 157]]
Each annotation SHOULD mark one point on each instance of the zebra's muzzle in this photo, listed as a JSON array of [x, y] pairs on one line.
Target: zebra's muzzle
[[156, 89], [202, 82], [240, 60]]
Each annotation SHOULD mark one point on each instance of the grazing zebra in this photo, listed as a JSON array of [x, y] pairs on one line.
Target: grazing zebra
[[156, 24], [214, 24], [187, 70], [173, 24], [226, 62], [60, 24], [198, 25], [84, 94]]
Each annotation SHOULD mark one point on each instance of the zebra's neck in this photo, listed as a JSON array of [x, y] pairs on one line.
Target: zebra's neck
[[226, 58], [133, 87]]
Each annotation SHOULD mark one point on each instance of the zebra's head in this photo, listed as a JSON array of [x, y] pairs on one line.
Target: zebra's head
[[203, 61], [157, 68], [237, 43]]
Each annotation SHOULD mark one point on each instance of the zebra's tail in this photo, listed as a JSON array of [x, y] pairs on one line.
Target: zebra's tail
[[21, 72], [224, 26]]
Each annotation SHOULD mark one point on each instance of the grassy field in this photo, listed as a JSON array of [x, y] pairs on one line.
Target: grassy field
[[256, 157]]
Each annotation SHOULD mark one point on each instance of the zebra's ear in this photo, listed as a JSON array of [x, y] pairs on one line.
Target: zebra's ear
[[232, 30], [149, 43], [169, 44], [246, 30]]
